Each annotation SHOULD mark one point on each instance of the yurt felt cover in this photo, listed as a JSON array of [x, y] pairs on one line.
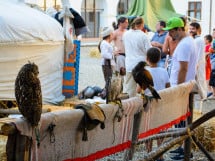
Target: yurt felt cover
[[27, 34]]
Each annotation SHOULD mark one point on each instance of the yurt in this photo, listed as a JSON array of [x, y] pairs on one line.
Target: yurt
[[28, 34]]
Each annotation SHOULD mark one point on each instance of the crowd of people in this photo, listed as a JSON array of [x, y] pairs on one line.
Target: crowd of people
[[185, 54], [176, 53]]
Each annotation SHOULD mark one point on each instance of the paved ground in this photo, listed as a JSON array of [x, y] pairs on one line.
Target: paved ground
[[90, 71]]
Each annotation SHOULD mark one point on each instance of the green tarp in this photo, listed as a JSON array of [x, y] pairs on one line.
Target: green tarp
[[152, 11]]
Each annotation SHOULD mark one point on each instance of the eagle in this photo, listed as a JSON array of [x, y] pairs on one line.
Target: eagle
[[28, 94], [144, 79]]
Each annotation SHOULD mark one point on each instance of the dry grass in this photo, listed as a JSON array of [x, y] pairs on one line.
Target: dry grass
[[3, 140], [205, 133], [94, 52]]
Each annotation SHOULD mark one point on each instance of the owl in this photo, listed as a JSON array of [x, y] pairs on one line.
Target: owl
[[28, 93], [115, 88]]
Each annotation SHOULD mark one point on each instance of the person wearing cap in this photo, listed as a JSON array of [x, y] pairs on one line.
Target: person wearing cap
[[184, 56], [119, 46], [184, 61], [136, 45], [106, 50], [169, 47]]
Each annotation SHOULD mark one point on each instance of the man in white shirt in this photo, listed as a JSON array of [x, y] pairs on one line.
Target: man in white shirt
[[184, 59], [195, 32], [184, 62], [136, 45]]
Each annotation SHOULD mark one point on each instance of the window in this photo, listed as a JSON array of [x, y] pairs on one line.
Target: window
[[91, 15], [194, 10], [123, 6]]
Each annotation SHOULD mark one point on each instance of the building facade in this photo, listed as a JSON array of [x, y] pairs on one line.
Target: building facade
[[200, 10], [101, 13]]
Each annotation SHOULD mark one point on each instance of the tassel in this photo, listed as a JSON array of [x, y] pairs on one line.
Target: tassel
[[84, 137], [37, 134]]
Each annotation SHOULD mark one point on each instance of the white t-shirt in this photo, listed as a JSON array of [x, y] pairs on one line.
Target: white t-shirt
[[200, 73], [160, 77], [106, 52], [136, 45], [184, 51]]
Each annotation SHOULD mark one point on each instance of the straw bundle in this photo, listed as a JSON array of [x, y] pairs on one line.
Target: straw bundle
[[3, 140], [94, 52]]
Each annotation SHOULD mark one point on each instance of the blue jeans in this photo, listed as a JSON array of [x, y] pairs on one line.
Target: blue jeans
[[181, 124], [212, 57], [161, 63], [212, 77]]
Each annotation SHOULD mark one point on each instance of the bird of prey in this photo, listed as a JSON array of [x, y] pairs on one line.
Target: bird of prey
[[28, 94], [114, 89], [144, 79]]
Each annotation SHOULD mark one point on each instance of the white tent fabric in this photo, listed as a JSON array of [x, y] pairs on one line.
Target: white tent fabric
[[26, 35]]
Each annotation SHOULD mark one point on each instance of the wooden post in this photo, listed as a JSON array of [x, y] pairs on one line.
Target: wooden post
[[18, 147], [187, 142], [136, 126]]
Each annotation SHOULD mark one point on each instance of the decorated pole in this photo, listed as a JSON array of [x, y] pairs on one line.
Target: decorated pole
[[67, 27]]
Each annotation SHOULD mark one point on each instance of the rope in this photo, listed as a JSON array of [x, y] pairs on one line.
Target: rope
[[190, 135], [37, 134]]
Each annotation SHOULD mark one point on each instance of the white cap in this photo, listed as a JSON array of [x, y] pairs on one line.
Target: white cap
[[106, 31]]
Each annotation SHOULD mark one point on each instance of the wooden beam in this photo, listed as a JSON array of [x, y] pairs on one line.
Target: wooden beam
[[16, 111]]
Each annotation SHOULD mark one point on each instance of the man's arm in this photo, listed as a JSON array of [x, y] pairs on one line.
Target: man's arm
[[165, 47], [157, 44], [182, 72]]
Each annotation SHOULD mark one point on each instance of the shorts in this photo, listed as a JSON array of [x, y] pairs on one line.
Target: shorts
[[120, 62], [212, 78]]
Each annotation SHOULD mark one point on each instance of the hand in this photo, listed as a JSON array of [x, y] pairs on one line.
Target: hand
[[155, 44], [116, 51]]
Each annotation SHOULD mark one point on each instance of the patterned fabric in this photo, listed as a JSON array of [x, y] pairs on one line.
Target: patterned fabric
[[171, 109]]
